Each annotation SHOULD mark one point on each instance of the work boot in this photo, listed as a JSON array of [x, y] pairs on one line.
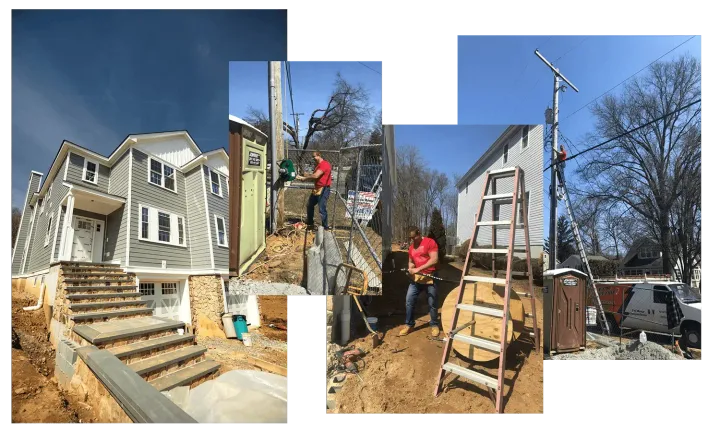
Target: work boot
[[435, 331], [405, 330]]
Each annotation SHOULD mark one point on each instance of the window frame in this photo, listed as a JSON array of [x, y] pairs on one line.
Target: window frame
[[217, 231], [525, 137], [506, 153], [211, 172], [163, 166], [161, 229], [48, 229], [147, 229], [150, 284], [660, 291], [154, 227], [97, 171]]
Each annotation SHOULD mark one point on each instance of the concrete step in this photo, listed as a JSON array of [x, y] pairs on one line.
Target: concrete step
[[104, 279], [93, 316], [87, 264], [167, 359], [101, 289], [185, 375], [97, 306], [92, 272], [155, 344], [96, 296], [110, 332]]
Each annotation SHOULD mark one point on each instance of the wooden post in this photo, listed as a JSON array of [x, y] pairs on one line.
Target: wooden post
[[278, 145]]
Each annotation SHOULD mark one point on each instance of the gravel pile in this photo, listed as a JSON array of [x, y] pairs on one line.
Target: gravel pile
[[253, 287], [632, 351]]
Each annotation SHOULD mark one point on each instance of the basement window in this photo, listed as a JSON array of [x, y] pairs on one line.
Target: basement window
[[220, 231], [169, 288], [161, 174], [147, 289], [90, 174], [215, 184]]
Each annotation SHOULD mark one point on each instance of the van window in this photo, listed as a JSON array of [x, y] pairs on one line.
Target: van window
[[660, 294]]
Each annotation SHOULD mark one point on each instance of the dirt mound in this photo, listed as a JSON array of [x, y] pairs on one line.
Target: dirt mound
[[631, 351]]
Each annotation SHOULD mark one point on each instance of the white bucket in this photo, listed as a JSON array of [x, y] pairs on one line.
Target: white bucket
[[590, 316], [228, 326], [246, 339]]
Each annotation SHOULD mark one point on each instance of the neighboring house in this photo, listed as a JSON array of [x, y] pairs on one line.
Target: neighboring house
[[157, 206], [575, 262], [517, 146], [645, 258]]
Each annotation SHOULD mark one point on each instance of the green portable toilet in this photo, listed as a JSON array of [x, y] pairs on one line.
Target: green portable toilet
[[248, 194]]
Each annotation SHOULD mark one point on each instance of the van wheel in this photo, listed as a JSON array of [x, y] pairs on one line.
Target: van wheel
[[691, 335]]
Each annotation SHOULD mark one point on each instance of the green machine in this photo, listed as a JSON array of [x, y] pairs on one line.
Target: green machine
[[287, 170]]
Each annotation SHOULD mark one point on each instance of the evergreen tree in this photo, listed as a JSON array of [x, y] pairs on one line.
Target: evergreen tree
[[437, 232]]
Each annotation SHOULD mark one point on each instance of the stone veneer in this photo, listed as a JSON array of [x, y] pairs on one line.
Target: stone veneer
[[207, 303]]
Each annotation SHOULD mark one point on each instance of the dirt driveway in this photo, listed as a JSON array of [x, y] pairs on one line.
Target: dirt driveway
[[401, 373]]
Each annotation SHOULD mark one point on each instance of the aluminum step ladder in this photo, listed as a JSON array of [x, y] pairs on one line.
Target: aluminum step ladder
[[517, 197], [578, 240]]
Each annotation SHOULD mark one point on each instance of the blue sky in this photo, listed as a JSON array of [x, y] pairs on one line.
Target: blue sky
[[500, 80], [93, 77], [312, 84]]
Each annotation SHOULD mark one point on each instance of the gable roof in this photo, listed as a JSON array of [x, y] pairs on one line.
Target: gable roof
[[508, 132], [204, 157]]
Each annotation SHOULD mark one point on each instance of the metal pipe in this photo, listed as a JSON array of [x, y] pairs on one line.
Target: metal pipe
[[556, 70], [355, 201]]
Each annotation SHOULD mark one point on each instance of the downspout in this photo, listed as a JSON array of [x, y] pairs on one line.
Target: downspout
[[40, 300], [345, 320]]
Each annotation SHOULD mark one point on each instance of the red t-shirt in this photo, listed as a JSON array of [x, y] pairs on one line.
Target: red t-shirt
[[421, 255], [563, 156], [324, 179]]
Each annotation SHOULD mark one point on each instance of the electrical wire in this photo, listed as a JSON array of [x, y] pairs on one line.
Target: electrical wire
[[377, 72], [571, 49]]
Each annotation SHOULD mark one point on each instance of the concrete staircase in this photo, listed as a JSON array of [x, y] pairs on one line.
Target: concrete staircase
[[104, 309]]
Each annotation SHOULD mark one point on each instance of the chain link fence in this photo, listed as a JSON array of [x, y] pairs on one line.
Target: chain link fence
[[354, 207]]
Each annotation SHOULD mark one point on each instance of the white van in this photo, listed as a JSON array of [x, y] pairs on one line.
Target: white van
[[646, 307]]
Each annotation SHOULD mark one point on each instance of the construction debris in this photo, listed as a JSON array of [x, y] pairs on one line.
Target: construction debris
[[634, 350], [254, 287]]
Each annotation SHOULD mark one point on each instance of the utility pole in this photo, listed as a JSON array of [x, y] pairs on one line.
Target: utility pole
[[557, 76], [277, 146]]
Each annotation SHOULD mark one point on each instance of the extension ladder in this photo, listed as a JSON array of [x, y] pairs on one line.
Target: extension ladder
[[578, 240], [517, 196]]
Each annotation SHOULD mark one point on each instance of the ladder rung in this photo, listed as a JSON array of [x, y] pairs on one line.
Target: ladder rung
[[479, 342], [498, 196], [495, 222], [472, 375], [532, 334], [483, 310], [490, 251], [514, 273], [485, 279], [502, 172], [523, 294]]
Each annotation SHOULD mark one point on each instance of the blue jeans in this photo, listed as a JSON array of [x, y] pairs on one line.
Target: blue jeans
[[412, 295], [318, 199]]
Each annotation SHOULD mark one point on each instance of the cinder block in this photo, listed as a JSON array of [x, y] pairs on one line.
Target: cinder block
[[329, 316]]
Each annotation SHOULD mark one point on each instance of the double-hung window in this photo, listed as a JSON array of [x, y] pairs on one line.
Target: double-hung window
[[220, 231], [161, 226], [90, 171], [161, 174], [215, 183], [47, 230]]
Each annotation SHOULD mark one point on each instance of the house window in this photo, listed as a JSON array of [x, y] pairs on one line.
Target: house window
[[47, 231], [161, 226], [648, 252], [46, 198], [525, 131], [161, 174], [220, 231], [90, 172], [147, 289], [169, 288], [215, 183], [505, 154], [145, 222]]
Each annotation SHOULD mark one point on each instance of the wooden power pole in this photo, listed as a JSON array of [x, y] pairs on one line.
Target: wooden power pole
[[277, 146]]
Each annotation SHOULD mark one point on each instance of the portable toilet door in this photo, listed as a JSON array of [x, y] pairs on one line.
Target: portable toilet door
[[248, 169], [564, 310]]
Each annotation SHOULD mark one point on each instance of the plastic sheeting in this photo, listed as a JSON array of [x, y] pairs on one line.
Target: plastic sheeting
[[238, 396]]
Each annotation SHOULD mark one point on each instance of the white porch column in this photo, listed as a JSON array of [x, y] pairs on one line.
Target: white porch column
[[66, 237]]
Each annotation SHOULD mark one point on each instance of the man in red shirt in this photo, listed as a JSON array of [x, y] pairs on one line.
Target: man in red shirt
[[423, 256], [321, 193]]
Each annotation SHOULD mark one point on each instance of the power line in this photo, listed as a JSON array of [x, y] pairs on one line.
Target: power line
[[289, 81], [377, 72], [628, 132], [626, 79], [571, 49]]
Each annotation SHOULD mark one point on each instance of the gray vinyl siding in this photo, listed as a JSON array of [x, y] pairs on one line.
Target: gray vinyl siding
[[25, 222], [117, 221], [150, 254], [530, 160], [40, 258], [75, 170], [197, 222], [220, 207], [60, 220]]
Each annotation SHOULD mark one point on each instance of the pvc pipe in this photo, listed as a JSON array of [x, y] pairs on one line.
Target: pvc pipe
[[345, 320], [40, 300]]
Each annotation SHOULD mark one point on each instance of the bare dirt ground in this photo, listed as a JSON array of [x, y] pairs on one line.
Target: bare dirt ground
[[269, 345], [284, 257], [36, 397], [401, 373]]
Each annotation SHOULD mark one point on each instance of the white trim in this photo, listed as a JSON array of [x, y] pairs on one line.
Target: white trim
[[207, 219], [210, 173], [83, 189], [187, 212], [153, 226], [97, 170], [140, 271], [163, 164], [67, 164], [37, 273], [57, 225], [217, 231], [48, 228], [129, 208], [505, 162]]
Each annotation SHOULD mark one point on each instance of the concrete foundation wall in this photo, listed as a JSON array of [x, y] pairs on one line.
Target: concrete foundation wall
[[207, 304]]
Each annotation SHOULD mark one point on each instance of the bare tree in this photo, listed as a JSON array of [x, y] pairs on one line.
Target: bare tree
[[645, 170], [685, 217]]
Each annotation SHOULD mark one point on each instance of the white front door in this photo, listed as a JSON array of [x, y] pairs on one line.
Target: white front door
[[82, 247], [164, 298]]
